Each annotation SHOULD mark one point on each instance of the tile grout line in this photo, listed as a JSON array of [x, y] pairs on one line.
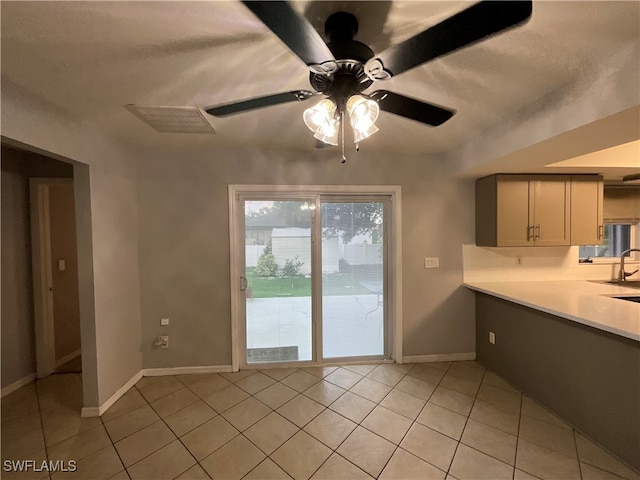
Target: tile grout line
[[326, 407], [241, 433], [405, 374], [575, 444], [491, 426], [455, 451], [163, 446], [405, 433], [469, 417], [300, 429], [113, 445], [415, 420], [179, 437], [337, 413], [515, 458], [360, 424], [44, 439]]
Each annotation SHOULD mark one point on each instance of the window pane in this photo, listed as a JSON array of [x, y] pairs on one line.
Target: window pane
[[352, 279], [278, 272], [617, 238]]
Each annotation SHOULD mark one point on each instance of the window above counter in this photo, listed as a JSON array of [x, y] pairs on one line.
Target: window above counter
[[621, 218]]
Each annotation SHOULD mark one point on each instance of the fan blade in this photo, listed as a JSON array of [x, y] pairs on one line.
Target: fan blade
[[465, 28], [411, 108], [294, 30], [259, 102]]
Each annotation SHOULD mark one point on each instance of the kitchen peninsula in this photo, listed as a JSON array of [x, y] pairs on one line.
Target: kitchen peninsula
[[571, 345]]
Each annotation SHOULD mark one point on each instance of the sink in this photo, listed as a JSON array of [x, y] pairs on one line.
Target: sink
[[630, 299], [626, 283]]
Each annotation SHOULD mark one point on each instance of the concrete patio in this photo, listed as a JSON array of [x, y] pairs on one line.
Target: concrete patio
[[352, 324]]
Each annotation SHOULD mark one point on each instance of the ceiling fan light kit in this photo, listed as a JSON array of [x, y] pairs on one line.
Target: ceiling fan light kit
[[363, 113], [322, 119], [344, 68]]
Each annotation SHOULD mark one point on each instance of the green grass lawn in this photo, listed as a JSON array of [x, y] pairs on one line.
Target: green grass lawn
[[335, 284]]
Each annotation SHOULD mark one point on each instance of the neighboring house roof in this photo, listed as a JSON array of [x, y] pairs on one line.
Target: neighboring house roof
[[291, 232]]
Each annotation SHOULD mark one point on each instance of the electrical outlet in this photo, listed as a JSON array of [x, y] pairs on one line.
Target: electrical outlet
[[163, 341], [492, 338], [518, 259], [432, 262]]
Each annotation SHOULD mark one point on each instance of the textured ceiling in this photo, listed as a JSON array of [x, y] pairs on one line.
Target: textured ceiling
[[87, 60]]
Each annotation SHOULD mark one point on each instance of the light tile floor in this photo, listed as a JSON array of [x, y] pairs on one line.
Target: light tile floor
[[428, 421]]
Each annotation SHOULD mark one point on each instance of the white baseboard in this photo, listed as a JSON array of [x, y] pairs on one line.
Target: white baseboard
[[150, 372], [18, 384], [157, 372], [440, 357], [68, 358], [97, 411]]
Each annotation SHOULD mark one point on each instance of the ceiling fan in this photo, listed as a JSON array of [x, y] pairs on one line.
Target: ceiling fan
[[342, 69]]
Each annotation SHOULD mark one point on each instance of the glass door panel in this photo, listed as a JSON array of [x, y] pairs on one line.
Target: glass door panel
[[353, 280], [278, 281]]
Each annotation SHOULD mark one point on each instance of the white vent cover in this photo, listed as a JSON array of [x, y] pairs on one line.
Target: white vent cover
[[173, 119]]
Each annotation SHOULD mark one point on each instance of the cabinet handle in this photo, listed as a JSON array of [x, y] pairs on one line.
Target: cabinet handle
[[539, 234], [530, 233], [600, 231]]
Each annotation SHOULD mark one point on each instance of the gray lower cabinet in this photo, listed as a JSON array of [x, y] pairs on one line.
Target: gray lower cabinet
[[589, 377]]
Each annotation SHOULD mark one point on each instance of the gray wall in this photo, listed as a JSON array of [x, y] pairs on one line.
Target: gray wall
[[184, 245], [18, 338], [589, 377], [17, 318], [114, 220], [107, 221]]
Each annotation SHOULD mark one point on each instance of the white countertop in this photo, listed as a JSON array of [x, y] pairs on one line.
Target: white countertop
[[585, 302]]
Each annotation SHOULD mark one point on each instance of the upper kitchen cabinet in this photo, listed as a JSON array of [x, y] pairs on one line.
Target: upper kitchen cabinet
[[587, 224], [523, 210]]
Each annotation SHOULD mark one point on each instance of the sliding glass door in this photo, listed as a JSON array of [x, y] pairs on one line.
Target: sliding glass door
[[313, 278]]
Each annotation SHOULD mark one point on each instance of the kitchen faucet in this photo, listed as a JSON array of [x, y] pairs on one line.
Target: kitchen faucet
[[622, 276]]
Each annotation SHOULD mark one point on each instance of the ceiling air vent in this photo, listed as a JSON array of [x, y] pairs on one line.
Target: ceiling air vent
[[173, 119]]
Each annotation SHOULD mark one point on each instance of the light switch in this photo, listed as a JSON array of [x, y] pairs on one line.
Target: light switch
[[164, 322], [62, 265], [432, 262]]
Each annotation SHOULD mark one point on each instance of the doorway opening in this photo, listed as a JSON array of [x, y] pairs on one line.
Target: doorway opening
[[55, 276]]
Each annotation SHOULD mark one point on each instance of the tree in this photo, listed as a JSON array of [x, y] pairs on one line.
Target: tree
[[292, 267], [281, 214], [351, 219], [346, 219], [267, 266]]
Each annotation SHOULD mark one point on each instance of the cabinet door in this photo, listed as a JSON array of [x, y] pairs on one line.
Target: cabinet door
[[552, 208], [513, 211], [586, 210]]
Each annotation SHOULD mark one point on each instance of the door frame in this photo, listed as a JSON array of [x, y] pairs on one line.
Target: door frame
[[395, 253], [42, 272]]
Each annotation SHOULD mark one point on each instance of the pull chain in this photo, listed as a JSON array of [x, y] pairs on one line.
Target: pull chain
[[344, 158]]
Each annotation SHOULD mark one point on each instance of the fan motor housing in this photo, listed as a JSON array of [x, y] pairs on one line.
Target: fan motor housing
[[350, 54], [348, 79]]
